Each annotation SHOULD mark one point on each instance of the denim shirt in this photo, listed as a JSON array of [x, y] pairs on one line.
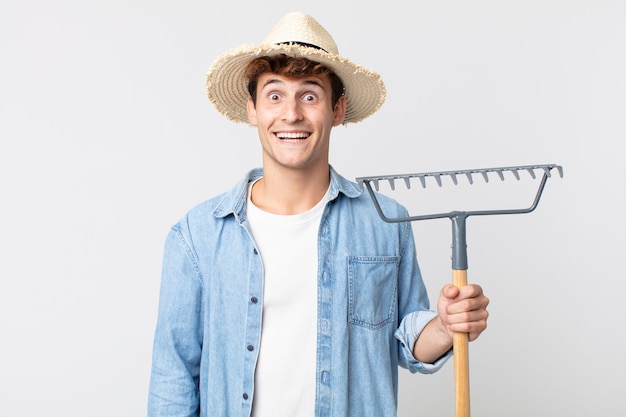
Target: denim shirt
[[372, 306]]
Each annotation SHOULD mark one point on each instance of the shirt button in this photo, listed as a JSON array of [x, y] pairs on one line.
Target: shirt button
[[250, 348], [254, 300], [245, 395], [325, 377], [256, 252]]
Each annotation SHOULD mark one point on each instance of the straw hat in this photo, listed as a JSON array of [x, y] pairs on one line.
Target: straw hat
[[296, 34]]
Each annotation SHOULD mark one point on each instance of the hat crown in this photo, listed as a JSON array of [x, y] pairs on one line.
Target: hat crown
[[301, 28]]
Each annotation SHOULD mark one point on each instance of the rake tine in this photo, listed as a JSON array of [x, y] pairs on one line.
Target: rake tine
[[560, 169], [484, 172]]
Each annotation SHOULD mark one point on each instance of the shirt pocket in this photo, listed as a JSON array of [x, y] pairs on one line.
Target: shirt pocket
[[372, 290]]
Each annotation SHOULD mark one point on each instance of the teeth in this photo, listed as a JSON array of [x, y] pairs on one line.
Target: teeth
[[288, 135]]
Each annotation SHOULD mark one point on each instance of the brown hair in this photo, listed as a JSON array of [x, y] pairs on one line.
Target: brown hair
[[293, 67]]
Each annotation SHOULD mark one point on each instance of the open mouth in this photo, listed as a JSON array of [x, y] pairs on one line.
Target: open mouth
[[292, 136]]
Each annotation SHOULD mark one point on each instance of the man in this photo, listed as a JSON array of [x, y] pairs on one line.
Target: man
[[287, 295]]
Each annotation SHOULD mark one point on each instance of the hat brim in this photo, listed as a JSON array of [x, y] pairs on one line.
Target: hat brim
[[227, 88]]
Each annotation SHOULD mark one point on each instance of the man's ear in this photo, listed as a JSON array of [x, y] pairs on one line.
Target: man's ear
[[251, 111], [339, 111]]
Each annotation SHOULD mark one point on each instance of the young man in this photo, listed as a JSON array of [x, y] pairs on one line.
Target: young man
[[287, 295]]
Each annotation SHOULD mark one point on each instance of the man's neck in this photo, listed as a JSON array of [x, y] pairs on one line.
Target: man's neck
[[288, 192]]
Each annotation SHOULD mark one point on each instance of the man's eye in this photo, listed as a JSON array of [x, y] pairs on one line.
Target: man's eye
[[274, 97], [310, 97]]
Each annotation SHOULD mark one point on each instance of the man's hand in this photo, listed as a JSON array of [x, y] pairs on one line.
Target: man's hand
[[460, 310], [463, 310]]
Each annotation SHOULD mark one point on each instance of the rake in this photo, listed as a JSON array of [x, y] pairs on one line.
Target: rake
[[459, 246]]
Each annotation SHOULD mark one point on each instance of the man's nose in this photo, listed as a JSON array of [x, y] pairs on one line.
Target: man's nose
[[292, 111]]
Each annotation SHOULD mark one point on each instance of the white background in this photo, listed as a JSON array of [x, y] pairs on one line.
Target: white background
[[107, 138]]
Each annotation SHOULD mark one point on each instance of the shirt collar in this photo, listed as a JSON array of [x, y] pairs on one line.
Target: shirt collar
[[234, 201]]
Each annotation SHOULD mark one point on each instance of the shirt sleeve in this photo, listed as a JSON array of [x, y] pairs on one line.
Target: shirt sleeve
[[414, 308], [177, 345], [407, 333]]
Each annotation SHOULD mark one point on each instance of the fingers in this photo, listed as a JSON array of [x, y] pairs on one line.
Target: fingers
[[466, 309], [467, 298], [472, 323], [468, 291]]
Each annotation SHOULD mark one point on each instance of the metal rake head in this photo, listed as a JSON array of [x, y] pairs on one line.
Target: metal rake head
[[469, 174]]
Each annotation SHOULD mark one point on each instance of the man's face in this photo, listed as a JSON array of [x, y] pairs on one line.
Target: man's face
[[294, 118]]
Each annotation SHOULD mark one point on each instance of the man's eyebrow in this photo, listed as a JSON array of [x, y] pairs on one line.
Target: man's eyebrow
[[313, 81], [270, 81]]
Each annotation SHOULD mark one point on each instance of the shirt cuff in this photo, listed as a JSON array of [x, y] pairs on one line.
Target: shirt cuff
[[410, 328]]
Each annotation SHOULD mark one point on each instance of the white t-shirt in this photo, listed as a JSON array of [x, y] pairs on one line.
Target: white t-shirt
[[285, 372]]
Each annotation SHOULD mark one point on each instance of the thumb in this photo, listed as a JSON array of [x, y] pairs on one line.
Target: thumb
[[450, 291]]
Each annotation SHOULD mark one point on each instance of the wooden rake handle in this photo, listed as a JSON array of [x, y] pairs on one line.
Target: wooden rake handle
[[461, 358]]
